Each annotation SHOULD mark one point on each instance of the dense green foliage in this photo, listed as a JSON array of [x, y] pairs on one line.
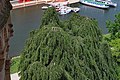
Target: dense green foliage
[[115, 47], [114, 37], [72, 50], [14, 64], [114, 27], [50, 16]]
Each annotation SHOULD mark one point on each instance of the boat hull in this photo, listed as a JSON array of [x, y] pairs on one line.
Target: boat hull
[[108, 3], [94, 5], [64, 11], [112, 4]]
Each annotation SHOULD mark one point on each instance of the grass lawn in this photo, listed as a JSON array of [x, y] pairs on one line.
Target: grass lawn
[[14, 64]]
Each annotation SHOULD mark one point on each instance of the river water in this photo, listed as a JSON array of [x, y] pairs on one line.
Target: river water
[[27, 19]]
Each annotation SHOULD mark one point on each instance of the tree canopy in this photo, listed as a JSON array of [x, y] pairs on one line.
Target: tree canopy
[[114, 37], [71, 50], [114, 27], [50, 16], [115, 47]]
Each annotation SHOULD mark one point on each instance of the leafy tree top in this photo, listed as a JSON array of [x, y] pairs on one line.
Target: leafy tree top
[[72, 50], [114, 27], [50, 16]]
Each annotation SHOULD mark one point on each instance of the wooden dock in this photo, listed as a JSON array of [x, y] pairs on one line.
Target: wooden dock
[[16, 4], [73, 1], [26, 4]]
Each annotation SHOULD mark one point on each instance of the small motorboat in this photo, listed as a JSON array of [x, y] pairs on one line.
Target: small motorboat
[[112, 4], [75, 9], [58, 3], [64, 10], [45, 7]]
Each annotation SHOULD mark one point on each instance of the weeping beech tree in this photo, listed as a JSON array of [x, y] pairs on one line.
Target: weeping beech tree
[[73, 51], [50, 16]]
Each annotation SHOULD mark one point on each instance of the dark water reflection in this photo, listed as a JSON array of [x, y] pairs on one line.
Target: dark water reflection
[[27, 19]]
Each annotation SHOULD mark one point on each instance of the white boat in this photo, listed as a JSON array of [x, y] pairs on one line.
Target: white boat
[[75, 9], [112, 4], [108, 2], [95, 4], [57, 4], [45, 7], [64, 10]]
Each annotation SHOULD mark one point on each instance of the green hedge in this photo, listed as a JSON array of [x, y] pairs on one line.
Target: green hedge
[[14, 64]]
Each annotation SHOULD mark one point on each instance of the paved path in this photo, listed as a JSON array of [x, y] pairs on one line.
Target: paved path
[[15, 76]]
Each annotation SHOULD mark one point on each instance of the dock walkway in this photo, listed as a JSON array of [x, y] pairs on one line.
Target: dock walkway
[[16, 4]]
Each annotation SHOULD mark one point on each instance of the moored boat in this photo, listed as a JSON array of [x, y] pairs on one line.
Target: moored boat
[[75, 9], [57, 4], [108, 2], [64, 10], [45, 7], [112, 4], [95, 4]]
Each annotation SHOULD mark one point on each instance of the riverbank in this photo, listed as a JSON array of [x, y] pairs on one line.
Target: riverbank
[[26, 4], [17, 5]]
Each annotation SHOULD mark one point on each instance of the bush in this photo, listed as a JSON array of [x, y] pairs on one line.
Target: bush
[[14, 64]]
